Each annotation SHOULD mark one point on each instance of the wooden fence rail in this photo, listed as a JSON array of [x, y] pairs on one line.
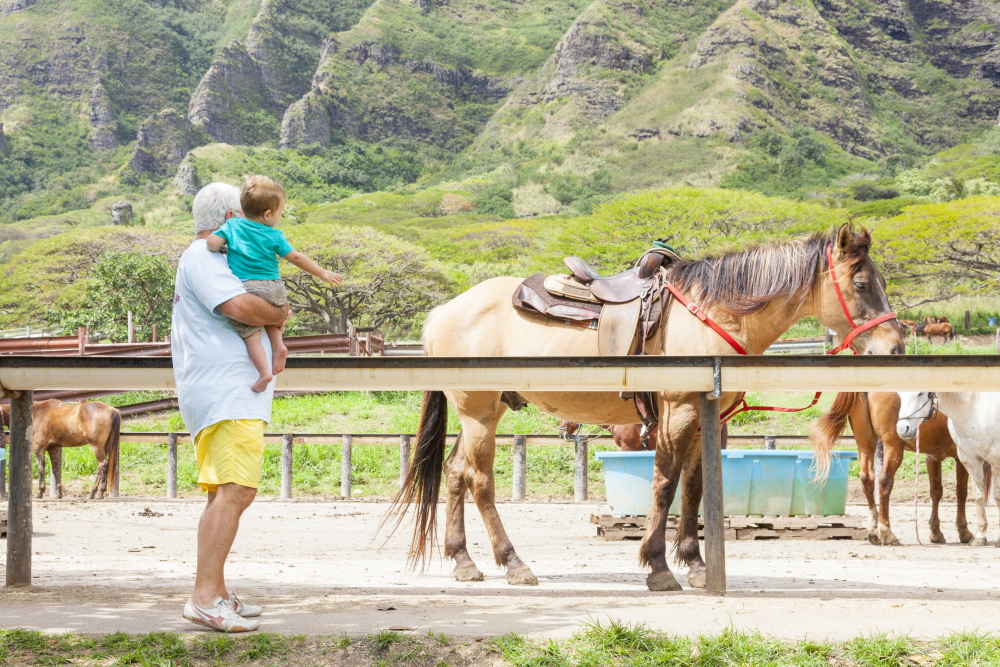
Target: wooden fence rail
[[705, 375], [288, 441]]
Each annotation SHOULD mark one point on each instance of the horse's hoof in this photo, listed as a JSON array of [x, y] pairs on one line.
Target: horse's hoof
[[522, 576], [965, 538], [873, 538], [662, 581], [696, 579], [938, 538], [978, 542], [468, 572]]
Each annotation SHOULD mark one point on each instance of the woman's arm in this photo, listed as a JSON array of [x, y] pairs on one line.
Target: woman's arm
[[309, 266]]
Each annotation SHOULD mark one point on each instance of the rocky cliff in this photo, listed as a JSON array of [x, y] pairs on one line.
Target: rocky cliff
[[164, 139]]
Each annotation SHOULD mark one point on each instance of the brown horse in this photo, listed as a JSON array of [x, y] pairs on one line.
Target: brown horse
[[755, 295], [944, 329], [873, 417], [628, 437], [56, 425]]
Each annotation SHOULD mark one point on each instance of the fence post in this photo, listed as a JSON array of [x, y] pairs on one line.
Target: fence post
[[711, 471], [154, 334], [404, 457], [131, 328], [968, 322], [19, 503], [352, 341], [580, 481], [81, 339], [286, 466], [345, 467], [520, 467], [171, 465]]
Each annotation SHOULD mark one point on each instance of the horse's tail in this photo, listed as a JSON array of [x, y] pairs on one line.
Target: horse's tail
[[111, 447], [423, 479], [827, 430]]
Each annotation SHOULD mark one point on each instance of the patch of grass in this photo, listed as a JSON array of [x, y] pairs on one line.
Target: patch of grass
[[440, 637], [879, 650], [215, 646], [383, 639], [263, 645]]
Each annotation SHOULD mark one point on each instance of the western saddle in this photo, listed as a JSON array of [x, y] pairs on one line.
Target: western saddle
[[625, 308]]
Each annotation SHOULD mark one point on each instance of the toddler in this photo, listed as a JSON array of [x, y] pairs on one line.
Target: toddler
[[255, 243]]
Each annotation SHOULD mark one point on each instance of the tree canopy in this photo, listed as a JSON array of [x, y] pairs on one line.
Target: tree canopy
[[388, 283]]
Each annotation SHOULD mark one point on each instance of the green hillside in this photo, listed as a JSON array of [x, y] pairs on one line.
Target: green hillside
[[499, 136]]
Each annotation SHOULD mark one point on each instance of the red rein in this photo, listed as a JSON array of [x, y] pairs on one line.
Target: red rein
[[848, 339]]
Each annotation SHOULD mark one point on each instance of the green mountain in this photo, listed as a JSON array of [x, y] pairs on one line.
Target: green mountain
[[500, 121]]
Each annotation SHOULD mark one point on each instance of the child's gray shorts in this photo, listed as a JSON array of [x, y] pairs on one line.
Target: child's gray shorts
[[272, 291]]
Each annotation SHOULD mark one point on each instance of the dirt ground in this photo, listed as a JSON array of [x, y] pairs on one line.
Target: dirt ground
[[318, 569]]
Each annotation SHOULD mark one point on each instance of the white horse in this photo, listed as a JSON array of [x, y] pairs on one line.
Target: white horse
[[974, 424]]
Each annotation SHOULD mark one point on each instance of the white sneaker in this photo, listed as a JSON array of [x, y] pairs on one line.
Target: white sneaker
[[242, 608], [220, 616]]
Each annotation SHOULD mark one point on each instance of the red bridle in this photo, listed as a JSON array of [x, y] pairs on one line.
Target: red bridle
[[856, 329]]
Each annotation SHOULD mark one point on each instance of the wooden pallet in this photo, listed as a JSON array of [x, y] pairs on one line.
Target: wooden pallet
[[616, 528]]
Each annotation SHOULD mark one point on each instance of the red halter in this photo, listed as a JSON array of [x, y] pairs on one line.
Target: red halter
[[742, 406]]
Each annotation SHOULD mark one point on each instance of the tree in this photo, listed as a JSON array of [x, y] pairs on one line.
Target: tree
[[387, 282], [53, 273], [120, 283]]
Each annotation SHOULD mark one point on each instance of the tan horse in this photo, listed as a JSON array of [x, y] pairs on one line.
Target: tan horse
[[754, 294], [873, 417], [56, 425]]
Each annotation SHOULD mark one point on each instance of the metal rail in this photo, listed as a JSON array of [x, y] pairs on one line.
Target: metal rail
[[708, 376]]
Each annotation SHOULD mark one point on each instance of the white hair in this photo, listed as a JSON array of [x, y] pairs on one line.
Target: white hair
[[211, 204]]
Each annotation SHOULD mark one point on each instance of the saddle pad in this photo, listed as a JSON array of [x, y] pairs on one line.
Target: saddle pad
[[532, 297], [570, 288], [616, 331]]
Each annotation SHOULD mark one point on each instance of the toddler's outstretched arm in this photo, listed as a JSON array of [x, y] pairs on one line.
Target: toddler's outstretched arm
[[215, 242], [309, 266]]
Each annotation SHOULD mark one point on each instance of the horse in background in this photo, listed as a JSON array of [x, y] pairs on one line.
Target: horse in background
[[974, 424], [930, 329], [873, 417], [628, 437], [56, 425]]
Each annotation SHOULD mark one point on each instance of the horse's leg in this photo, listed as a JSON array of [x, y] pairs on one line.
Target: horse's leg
[[101, 480], [55, 458], [974, 466], [479, 446], [961, 495], [937, 490], [40, 459], [678, 425], [687, 544], [893, 456], [454, 536], [866, 463]]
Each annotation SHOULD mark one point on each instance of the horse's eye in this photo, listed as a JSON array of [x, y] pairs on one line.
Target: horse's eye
[[861, 287]]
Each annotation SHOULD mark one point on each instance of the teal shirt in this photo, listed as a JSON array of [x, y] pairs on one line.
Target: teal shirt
[[254, 249]]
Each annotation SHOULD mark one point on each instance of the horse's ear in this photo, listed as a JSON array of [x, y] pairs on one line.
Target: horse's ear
[[844, 237], [866, 236]]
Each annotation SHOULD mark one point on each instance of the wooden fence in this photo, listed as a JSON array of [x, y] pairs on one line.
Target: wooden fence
[[706, 376]]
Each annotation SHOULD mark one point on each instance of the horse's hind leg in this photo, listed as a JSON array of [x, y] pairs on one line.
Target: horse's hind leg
[[893, 449], [40, 459], [974, 466], [55, 458], [679, 422], [101, 480], [937, 490], [455, 541], [961, 496]]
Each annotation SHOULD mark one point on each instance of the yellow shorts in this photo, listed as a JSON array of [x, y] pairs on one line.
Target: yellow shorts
[[230, 451]]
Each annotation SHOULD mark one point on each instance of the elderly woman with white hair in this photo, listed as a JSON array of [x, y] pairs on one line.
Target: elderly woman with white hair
[[213, 372]]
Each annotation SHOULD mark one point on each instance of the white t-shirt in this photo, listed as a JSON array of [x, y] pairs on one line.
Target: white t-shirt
[[211, 366]]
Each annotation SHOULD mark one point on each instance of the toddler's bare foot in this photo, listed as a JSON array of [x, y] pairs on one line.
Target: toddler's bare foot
[[279, 354], [262, 382]]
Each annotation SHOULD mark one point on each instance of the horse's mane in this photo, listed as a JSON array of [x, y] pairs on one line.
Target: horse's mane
[[741, 281]]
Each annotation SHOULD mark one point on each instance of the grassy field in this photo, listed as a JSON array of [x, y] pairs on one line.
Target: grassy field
[[595, 644]]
